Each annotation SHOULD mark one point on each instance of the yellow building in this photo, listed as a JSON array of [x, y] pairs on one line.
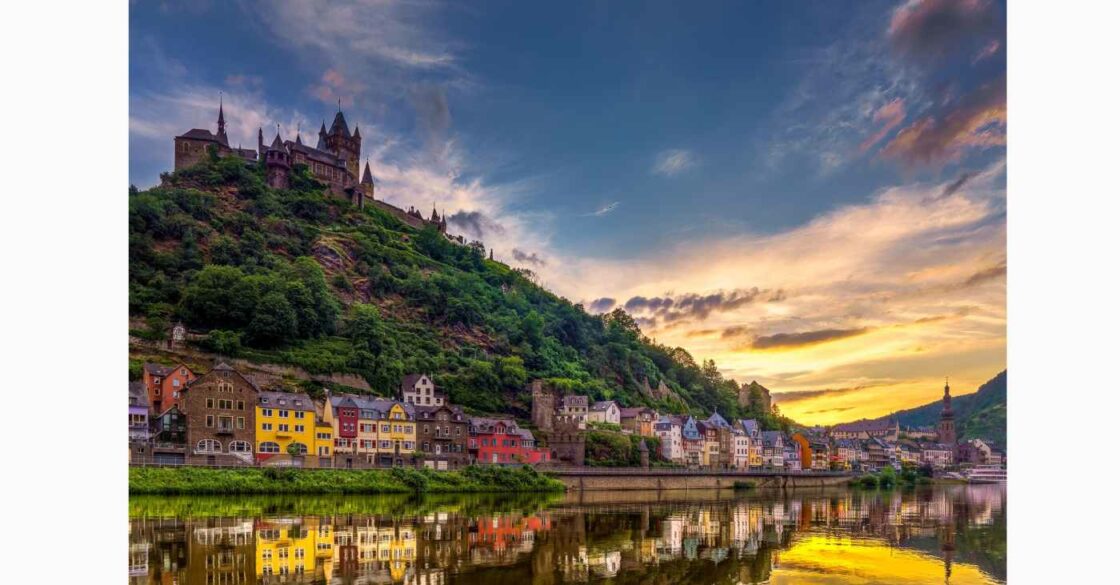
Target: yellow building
[[288, 432], [295, 547]]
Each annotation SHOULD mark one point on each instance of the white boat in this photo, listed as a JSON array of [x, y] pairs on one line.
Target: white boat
[[989, 473]]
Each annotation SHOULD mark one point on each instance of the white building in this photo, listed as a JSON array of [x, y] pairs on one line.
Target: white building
[[420, 390], [740, 449], [605, 411], [668, 429]]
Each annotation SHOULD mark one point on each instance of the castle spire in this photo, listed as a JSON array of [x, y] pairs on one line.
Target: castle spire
[[367, 177], [221, 120]]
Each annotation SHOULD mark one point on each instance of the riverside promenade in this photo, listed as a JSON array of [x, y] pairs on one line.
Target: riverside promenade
[[672, 478]]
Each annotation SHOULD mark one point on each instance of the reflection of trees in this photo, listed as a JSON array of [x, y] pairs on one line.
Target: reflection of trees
[[528, 539]]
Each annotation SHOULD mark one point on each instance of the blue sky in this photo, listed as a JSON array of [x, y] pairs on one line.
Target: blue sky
[[648, 150]]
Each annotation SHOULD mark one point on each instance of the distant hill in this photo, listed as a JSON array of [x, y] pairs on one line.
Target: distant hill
[[982, 414]]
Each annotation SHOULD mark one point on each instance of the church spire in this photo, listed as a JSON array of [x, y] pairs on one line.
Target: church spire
[[367, 177]]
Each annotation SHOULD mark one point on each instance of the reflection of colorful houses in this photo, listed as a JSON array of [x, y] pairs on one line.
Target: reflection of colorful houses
[[502, 442], [293, 547]]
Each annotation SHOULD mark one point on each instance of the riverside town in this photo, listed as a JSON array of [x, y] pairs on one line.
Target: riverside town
[[223, 417]]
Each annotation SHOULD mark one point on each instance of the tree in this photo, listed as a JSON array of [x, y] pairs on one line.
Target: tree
[[274, 321]]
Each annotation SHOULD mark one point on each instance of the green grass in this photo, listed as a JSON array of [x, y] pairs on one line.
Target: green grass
[[201, 480]]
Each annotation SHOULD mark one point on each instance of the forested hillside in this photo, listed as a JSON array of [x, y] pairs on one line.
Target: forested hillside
[[982, 414], [295, 276]]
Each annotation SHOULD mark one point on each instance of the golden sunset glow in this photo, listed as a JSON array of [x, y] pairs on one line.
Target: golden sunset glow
[[818, 558]]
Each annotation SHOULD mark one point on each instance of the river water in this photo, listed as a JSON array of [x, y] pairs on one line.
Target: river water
[[938, 534]]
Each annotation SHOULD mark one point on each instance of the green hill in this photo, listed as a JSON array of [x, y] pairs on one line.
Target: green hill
[[982, 414], [298, 277]]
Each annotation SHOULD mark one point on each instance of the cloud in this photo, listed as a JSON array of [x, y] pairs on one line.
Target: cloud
[[385, 34], [788, 340], [602, 305], [528, 258], [673, 162], [788, 397], [336, 89], [977, 121], [432, 110], [605, 209], [990, 49], [474, 224], [990, 273], [929, 29], [957, 184], [889, 116], [690, 306]]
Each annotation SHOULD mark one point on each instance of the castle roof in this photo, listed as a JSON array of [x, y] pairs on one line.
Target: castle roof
[[317, 154], [200, 134], [356, 133], [339, 125], [367, 178], [277, 144]]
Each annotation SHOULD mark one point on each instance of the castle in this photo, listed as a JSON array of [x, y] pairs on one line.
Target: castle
[[947, 427], [561, 422], [334, 160]]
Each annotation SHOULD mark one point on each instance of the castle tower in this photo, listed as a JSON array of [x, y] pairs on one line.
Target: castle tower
[[366, 186], [342, 144], [222, 122], [322, 144], [277, 163], [544, 407], [946, 427]]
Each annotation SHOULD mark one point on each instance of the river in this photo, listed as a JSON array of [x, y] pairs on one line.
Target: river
[[937, 534]]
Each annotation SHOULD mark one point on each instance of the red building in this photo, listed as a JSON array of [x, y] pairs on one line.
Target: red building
[[165, 384], [346, 420], [502, 442]]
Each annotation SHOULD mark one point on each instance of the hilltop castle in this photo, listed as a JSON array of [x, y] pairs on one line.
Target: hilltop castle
[[333, 160]]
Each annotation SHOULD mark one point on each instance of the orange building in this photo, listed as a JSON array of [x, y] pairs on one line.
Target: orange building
[[165, 384], [805, 451]]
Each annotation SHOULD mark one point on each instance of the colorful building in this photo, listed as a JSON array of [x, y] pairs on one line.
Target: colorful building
[[286, 430], [668, 429], [502, 442], [221, 417], [442, 436], [420, 390], [165, 384], [638, 420]]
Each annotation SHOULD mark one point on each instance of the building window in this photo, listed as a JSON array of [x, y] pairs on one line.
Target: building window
[[240, 422], [240, 447], [269, 447], [209, 446], [266, 412], [283, 414], [209, 421], [283, 428], [299, 428], [209, 403]]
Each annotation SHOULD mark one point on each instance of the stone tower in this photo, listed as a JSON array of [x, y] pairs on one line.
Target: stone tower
[[342, 144], [544, 407], [277, 164], [947, 427]]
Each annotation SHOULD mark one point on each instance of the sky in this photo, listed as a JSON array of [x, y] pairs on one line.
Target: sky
[[813, 194]]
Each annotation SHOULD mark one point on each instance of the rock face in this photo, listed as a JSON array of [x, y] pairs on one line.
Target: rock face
[[763, 395]]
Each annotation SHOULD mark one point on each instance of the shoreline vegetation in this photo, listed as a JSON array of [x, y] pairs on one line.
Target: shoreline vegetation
[[275, 481]]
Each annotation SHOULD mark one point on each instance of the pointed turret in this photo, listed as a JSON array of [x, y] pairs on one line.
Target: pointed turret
[[298, 140], [222, 121], [322, 145], [367, 177], [277, 143], [357, 133], [339, 125]]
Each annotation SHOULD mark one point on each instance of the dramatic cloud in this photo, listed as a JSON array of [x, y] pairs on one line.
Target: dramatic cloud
[[888, 117], [474, 224], [788, 340], [978, 121], [990, 273], [601, 305], [673, 162], [528, 258], [692, 305], [928, 29], [432, 111]]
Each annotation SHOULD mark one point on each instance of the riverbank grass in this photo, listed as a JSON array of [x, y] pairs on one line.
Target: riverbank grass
[[201, 480]]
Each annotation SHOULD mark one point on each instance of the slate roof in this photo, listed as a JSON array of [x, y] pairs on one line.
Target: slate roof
[[770, 438], [717, 420], [316, 154], [286, 401], [631, 412], [367, 178], [602, 405], [157, 369], [339, 125], [750, 426], [479, 424], [201, 134]]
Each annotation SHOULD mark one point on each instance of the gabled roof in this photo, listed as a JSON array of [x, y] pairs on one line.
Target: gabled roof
[[158, 369], [717, 420], [479, 424], [316, 154], [770, 438], [429, 411], [603, 405], [750, 426], [410, 380], [200, 134], [633, 411]]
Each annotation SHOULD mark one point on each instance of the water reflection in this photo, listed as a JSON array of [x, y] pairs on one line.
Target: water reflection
[[951, 534]]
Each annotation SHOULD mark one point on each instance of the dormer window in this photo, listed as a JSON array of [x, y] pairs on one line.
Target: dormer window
[[264, 400]]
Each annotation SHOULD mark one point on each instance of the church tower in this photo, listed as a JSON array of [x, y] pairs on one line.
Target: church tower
[[947, 428], [222, 122]]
